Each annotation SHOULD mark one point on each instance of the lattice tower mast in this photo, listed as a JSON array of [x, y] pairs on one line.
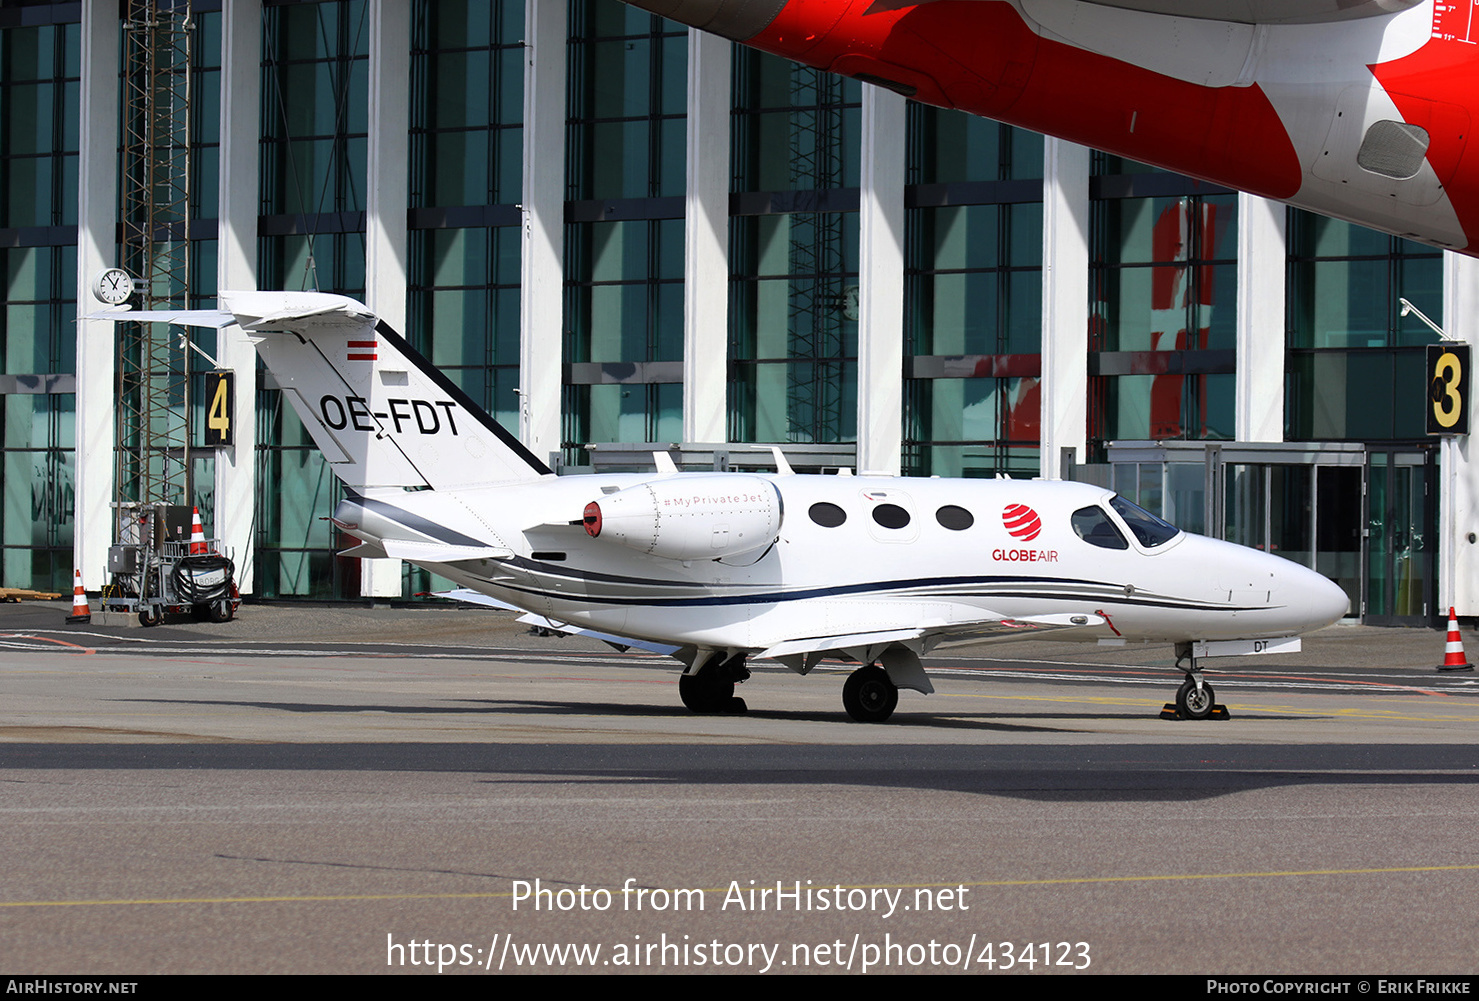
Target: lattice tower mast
[[814, 388], [153, 368]]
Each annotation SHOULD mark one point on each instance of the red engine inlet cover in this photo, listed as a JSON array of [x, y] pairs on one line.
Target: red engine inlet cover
[[592, 519]]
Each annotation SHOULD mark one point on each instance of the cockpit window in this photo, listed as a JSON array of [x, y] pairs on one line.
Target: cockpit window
[[1150, 530], [1095, 528]]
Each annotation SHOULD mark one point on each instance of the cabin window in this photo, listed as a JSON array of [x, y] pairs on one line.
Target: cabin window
[[1093, 526], [890, 516], [957, 519], [827, 515], [1150, 530]]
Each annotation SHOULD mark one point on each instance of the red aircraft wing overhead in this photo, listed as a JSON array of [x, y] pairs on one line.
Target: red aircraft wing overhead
[[1240, 11], [1358, 109]]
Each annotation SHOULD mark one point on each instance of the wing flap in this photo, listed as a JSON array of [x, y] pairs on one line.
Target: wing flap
[[933, 635]]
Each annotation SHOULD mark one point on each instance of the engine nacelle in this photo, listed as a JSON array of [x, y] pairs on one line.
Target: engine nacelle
[[689, 517]]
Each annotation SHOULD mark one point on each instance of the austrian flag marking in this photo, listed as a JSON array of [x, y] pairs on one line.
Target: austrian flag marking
[[1021, 522], [361, 350]]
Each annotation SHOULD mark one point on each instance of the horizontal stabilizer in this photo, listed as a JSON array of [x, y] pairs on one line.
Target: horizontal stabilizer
[[212, 318], [439, 552], [364, 551]]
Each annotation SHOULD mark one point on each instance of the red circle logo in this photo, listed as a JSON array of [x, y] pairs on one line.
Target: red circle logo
[[1021, 522]]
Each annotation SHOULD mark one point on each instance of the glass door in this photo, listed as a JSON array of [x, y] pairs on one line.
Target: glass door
[[1400, 538]]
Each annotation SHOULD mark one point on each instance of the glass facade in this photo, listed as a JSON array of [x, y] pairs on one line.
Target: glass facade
[[625, 178], [793, 249], [973, 296], [39, 130], [311, 235], [1163, 304], [1356, 366]]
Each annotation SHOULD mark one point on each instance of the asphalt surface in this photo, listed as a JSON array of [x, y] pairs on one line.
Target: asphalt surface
[[312, 789]]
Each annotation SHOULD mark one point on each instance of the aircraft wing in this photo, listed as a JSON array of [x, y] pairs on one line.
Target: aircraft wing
[[1236, 11], [802, 654], [622, 643]]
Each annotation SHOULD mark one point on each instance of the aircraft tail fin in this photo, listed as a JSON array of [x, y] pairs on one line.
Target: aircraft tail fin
[[381, 413]]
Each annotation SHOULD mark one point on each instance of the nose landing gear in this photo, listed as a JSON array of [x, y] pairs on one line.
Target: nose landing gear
[[1195, 698]]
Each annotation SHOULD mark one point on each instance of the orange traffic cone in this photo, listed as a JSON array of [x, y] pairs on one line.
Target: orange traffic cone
[[198, 545], [81, 611], [1453, 653]]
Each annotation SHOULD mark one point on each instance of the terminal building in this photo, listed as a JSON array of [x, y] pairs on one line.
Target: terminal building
[[612, 230]]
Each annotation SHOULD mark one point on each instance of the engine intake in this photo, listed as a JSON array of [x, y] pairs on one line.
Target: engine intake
[[689, 517]]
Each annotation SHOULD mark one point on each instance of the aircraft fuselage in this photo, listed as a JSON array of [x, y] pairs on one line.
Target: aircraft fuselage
[[907, 553]]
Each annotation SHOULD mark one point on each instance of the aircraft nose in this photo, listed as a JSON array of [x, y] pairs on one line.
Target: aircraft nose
[[1315, 599], [1328, 602]]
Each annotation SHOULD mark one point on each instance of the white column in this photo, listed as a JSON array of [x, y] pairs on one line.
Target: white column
[[1261, 278], [97, 249], [1458, 490], [706, 242], [236, 270], [387, 195], [541, 306], [881, 284], [1065, 304]]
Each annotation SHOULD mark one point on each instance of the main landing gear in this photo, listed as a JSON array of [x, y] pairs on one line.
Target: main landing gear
[[1195, 698], [710, 688], [872, 691], [869, 696]]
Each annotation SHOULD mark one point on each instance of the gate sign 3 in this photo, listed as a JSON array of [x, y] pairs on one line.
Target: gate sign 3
[[1448, 389]]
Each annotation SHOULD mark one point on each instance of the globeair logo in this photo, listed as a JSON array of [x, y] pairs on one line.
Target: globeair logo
[[1021, 522]]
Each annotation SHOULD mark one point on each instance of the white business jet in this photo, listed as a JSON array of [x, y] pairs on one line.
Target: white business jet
[[717, 568]]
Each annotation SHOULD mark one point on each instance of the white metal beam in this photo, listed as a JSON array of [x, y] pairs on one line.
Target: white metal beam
[[541, 306], [236, 269], [388, 188], [1065, 305], [706, 241], [881, 281], [1259, 392], [97, 249]]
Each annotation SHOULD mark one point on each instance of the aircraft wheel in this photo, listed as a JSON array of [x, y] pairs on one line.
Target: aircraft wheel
[[150, 617], [706, 691], [1195, 704], [869, 696], [221, 611]]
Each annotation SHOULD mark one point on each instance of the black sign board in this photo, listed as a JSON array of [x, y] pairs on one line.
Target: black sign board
[[220, 408]]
